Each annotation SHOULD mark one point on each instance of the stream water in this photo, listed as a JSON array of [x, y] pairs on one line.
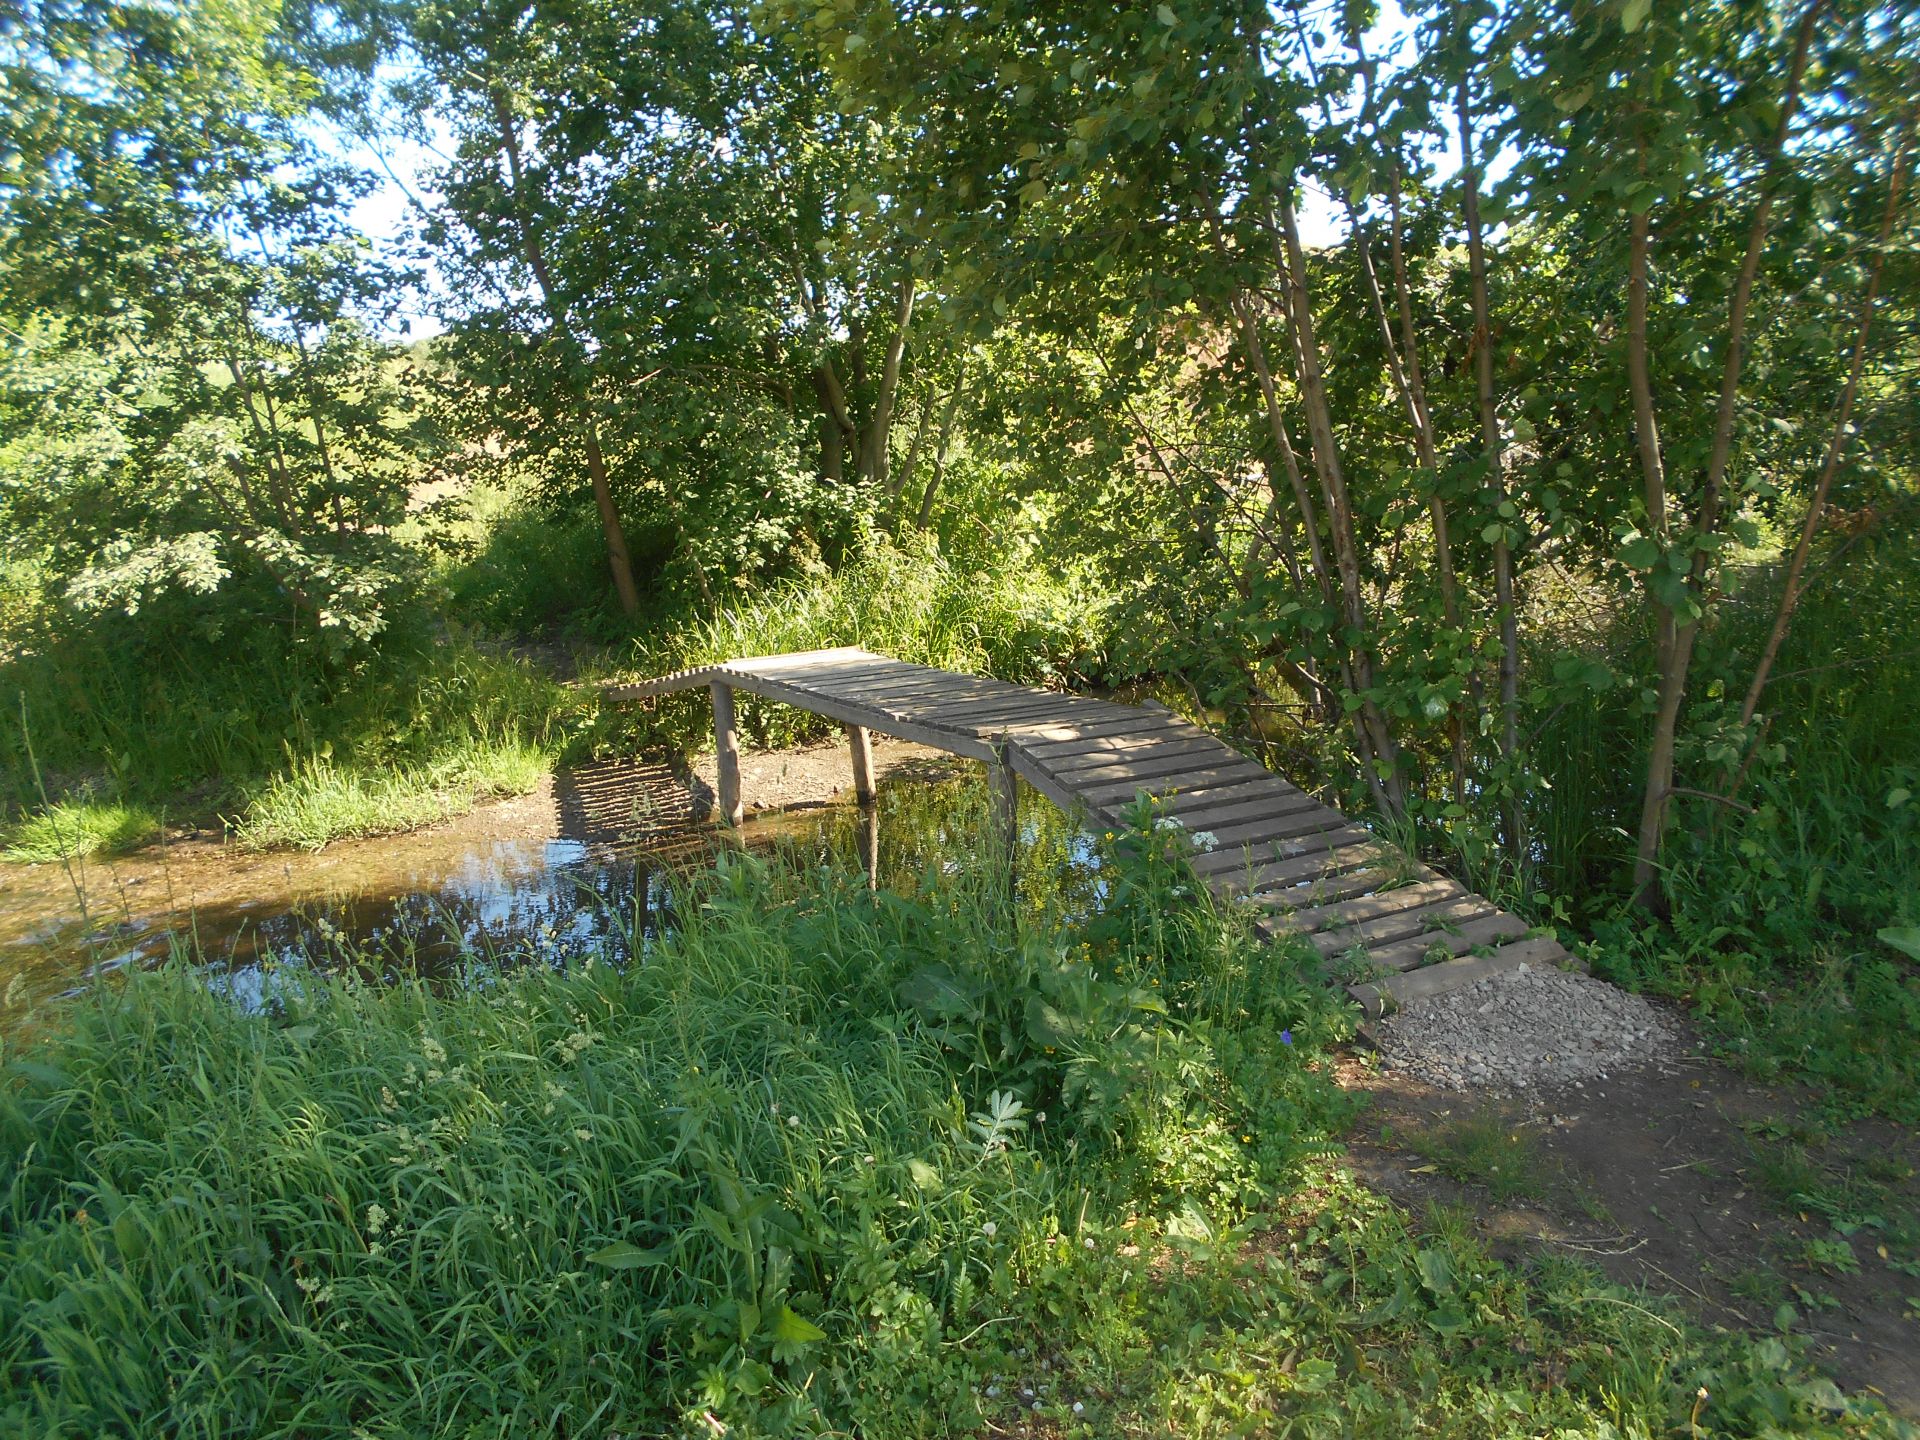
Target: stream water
[[533, 877]]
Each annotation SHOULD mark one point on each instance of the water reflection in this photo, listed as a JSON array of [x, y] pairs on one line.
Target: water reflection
[[431, 904]]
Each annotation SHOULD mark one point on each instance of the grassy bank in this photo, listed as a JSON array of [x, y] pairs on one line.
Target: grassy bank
[[1012, 621], [826, 1164], [112, 724]]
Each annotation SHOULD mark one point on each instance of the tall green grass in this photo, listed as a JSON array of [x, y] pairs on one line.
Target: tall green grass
[[316, 800], [1775, 902], [1015, 621], [291, 745], [826, 1164], [74, 828]]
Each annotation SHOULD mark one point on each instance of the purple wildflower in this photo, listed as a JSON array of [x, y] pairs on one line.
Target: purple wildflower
[[1286, 1037]]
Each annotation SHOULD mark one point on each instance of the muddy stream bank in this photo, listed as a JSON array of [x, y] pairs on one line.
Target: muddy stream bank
[[581, 865]]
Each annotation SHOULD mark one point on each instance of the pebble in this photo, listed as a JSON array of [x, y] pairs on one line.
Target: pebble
[[1527, 1029]]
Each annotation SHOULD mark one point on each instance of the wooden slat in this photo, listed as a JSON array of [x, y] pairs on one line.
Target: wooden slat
[[1283, 797], [1270, 874], [1233, 859], [1369, 907], [1147, 728], [1218, 815], [1067, 728], [1406, 954], [851, 714], [900, 689], [992, 713], [1068, 766], [1267, 826], [1455, 913], [1122, 779]]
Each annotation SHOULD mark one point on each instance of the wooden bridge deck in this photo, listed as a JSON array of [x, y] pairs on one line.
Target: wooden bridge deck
[[1310, 869]]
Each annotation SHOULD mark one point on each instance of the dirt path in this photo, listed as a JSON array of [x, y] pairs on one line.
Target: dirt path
[[1734, 1199]]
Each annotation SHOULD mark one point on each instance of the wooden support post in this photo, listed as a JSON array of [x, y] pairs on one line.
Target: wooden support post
[[726, 749], [1004, 825], [870, 845], [861, 744]]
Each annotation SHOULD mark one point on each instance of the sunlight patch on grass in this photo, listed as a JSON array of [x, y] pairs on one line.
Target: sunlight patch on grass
[[74, 828], [320, 801]]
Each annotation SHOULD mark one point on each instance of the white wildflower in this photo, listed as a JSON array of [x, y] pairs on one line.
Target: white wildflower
[[1204, 840], [377, 1218], [989, 1229]]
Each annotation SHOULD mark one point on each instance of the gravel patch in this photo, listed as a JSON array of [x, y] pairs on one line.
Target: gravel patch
[[1527, 1029]]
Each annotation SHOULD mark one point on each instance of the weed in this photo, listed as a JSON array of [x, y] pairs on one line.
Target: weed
[[1486, 1149]]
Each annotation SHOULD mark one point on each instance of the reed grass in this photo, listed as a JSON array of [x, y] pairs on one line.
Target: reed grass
[[826, 1163]]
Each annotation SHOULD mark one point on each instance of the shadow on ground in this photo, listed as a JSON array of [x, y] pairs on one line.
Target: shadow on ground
[[1733, 1199], [614, 802]]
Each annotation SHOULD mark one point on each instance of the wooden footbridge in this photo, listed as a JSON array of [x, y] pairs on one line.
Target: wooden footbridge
[[1313, 872]]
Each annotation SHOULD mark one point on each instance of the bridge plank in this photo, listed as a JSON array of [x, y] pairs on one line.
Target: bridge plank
[[1362, 908], [1412, 953], [1450, 914]]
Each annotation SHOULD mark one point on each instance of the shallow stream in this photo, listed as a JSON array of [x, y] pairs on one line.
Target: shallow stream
[[583, 867]]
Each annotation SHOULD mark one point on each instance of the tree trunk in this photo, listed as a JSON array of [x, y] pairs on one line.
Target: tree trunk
[[940, 455], [1333, 485], [900, 479], [619, 562], [1678, 631], [1324, 579], [836, 425], [1410, 376], [1842, 429], [1504, 598], [873, 450]]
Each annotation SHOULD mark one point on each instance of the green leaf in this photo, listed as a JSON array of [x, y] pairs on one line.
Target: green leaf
[[1436, 1272], [792, 1329], [1904, 938], [924, 1175], [1046, 1025], [1635, 15], [935, 990], [1315, 1375], [1641, 552], [624, 1255]]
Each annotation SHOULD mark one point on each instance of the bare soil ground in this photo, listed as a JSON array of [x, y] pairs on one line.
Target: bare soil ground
[[1693, 1183]]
